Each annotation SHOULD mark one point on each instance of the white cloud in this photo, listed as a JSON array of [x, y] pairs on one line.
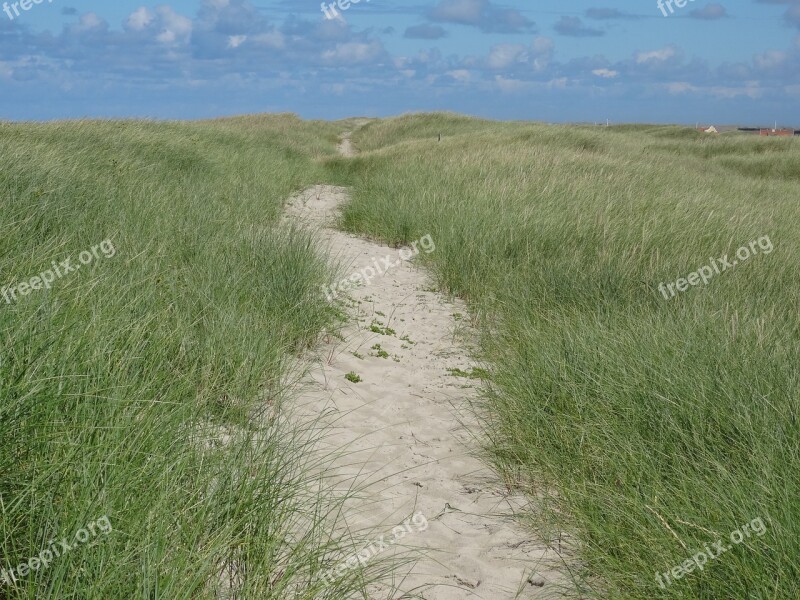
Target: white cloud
[[537, 55], [503, 56], [605, 73], [89, 22], [710, 12], [542, 45], [656, 55], [353, 52], [680, 87], [139, 19], [234, 41], [510, 85], [751, 89], [272, 39], [542, 48], [175, 28], [791, 90], [460, 11], [771, 59], [461, 75], [482, 14]]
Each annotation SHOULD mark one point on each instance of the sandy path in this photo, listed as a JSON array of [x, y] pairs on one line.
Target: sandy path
[[402, 427]]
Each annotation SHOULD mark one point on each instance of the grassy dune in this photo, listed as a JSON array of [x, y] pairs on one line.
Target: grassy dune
[[659, 425], [142, 387]]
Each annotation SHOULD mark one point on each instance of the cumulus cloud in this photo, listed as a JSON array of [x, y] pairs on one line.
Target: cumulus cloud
[[163, 25], [792, 14], [481, 14], [139, 19], [710, 12], [656, 56], [270, 39], [750, 89], [573, 27], [534, 57], [175, 28], [231, 48], [542, 53], [503, 56], [461, 75], [605, 73], [509, 85], [89, 22], [230, 17], [235, 41], [354, 53]]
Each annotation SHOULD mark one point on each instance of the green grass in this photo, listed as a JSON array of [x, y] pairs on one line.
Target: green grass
[[146, 386], [647, 427]]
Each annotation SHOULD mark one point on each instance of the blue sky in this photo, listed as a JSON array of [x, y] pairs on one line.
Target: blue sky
[[732, 61]]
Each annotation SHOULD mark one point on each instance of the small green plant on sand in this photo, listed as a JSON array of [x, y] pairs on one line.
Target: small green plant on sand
[[474, 373], [380, 352], [376, 327]]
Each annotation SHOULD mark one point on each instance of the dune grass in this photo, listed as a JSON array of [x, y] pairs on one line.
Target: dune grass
[[649, 426], [145, 387]]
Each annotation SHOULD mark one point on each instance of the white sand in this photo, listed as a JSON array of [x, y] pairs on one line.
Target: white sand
[[402, 428]]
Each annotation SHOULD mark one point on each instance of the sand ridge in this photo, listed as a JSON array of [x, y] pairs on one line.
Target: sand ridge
[[403, 427]]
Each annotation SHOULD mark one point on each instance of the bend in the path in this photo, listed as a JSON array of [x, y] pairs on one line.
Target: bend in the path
[[402, 425]]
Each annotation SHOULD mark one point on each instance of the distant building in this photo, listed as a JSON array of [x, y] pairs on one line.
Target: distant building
[[771, 131], [776, 132]]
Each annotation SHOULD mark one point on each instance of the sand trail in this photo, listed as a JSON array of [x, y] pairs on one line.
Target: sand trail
[[402, 426]]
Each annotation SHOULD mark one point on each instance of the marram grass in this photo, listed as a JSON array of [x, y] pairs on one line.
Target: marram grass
[[146, 386], [648, 427]]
